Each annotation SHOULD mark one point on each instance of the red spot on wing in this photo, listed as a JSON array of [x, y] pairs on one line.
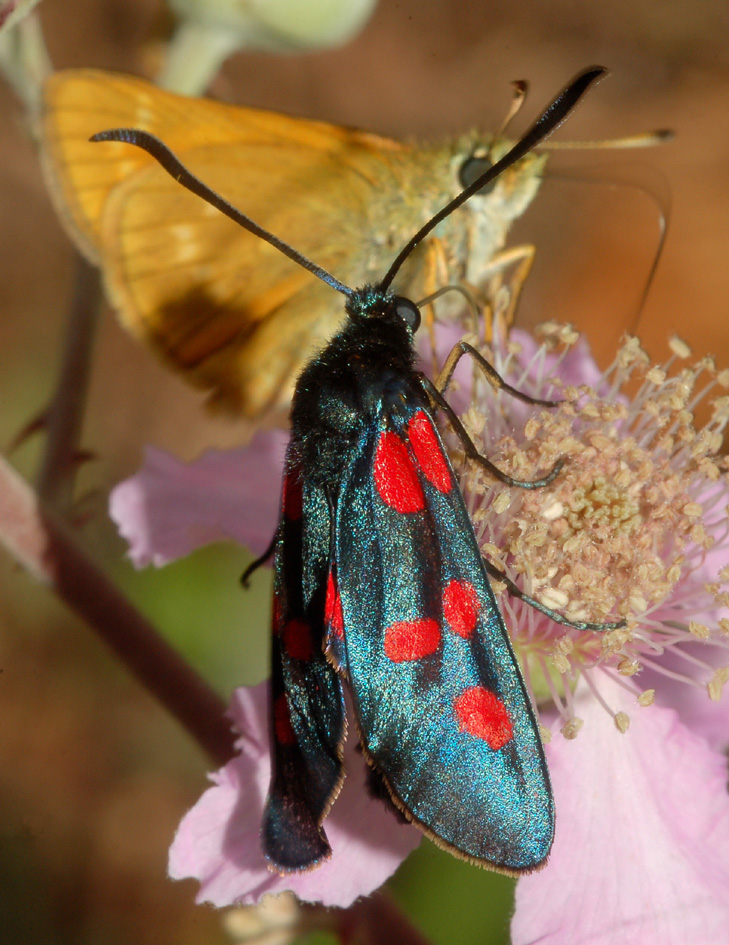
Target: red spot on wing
[[411, 640], [333, 608], [429, 452], [461, 607], [293, 495], [483, 715], [395, 476], [297, 639], [283, 730]]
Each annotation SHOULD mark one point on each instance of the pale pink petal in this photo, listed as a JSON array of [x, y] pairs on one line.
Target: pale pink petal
[[702, 715], [169, 508], [641, 853], [218, 840]]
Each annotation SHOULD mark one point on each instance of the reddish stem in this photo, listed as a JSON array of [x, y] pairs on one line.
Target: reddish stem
[[64, 415], [37, 538]]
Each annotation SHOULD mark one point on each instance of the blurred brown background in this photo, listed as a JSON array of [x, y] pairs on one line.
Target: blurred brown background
[[93, 777]]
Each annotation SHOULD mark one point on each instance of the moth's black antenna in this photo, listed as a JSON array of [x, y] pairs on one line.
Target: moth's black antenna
[[162, 154], [550, 119]]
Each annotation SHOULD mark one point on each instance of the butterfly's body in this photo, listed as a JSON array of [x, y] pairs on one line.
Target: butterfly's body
[[380, 587], [212, 300]]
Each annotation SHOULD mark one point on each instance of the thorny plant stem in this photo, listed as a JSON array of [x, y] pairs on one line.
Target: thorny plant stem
[[65, 413]]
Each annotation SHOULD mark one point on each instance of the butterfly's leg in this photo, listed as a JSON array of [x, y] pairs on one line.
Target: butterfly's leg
[[490, 304], [472, 452], [435, 269], [522, 259], [499, 575]]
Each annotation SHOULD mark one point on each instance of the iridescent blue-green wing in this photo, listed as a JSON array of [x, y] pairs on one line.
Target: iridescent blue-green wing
[[442, 709]]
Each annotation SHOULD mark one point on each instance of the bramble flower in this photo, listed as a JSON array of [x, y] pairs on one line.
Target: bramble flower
[[170, 508], [635, 526]]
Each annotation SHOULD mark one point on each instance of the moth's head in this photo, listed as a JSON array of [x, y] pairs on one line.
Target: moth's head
[[372, 303]]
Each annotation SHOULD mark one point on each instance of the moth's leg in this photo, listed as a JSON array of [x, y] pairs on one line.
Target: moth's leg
[[488, 371], [472, 452], [260, 560], [499, 575], [435, 392]]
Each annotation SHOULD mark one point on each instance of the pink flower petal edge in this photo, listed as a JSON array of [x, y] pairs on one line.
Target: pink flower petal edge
[[218, 840], [170, 508], [640, 854]]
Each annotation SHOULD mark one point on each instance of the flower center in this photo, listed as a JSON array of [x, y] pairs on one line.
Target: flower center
[[624, 530], [602, 505]]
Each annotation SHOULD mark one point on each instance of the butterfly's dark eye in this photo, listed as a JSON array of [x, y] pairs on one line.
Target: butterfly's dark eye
[[408, 311], [472, 168]]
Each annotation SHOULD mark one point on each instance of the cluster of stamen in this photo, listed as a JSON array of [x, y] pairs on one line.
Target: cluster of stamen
[[623, 530]]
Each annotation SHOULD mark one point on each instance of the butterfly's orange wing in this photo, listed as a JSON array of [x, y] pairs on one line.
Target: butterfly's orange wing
[[212, 300]]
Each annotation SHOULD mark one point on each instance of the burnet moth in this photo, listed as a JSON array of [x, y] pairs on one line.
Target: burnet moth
[[380, 588]]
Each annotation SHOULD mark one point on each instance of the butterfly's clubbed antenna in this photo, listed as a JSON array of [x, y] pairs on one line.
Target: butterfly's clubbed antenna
[[175, 168], [548, 122]]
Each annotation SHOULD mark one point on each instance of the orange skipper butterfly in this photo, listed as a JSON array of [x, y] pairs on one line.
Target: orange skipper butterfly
[[212, 301]]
